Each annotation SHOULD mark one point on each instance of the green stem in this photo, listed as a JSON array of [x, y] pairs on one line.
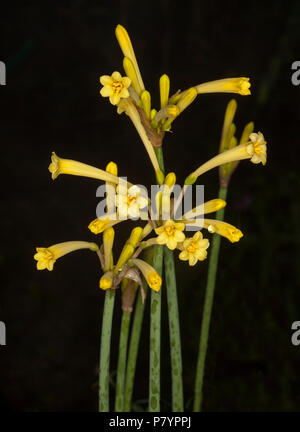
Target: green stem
[[133, 351], [174, 329], [155, 325], [119, 402], [155, 321], [105, 351], [208, 303]]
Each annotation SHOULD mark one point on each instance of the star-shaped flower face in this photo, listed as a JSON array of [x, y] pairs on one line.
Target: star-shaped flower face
[[130, 202], [170, 234], [115, 87], [45, 259], [194, 249], [257, 148]]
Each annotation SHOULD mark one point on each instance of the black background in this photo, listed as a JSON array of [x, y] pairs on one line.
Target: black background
[[55, 53]]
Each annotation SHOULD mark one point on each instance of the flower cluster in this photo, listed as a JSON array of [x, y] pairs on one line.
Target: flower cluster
[[125, 200]]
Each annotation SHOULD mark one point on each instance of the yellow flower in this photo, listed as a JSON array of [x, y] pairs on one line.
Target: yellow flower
[[127, 49], [115, 87], [46, 257], [224, 229], [207, 207], [194, 249], [239, 85], [257, 148], [170, 234], [66, 166], [106, 280], [152, 277], [130, 202], [97, 226]]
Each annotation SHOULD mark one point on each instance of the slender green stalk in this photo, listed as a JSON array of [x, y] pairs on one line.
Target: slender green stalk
[[174, 329], [155, 326], [105, 350], [208, 303], [133, 350], [155, 321], [119, 402]]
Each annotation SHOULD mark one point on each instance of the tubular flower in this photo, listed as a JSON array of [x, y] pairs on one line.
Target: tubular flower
[[130, 202], [66, 166], [46, 257], [232, 233], [194, 249], [170, 234], [255, 150], [152, 277], [115, 87], [207, 207], [239, 85]]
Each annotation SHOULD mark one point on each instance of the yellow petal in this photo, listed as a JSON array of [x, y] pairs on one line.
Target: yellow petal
[[106, 91], [116, 76], [114, 99], [106, 80]]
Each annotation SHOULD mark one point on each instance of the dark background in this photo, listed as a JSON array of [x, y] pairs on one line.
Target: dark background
[[55, 53]]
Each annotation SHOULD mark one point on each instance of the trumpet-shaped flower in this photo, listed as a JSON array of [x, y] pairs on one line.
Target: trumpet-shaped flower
[[193, 249], [170, 234], [130, 202], [224, 229], [152, 277], [46, 257], [239, 85], [207, 207], [255, 150], [115, 87], [66, 166]]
